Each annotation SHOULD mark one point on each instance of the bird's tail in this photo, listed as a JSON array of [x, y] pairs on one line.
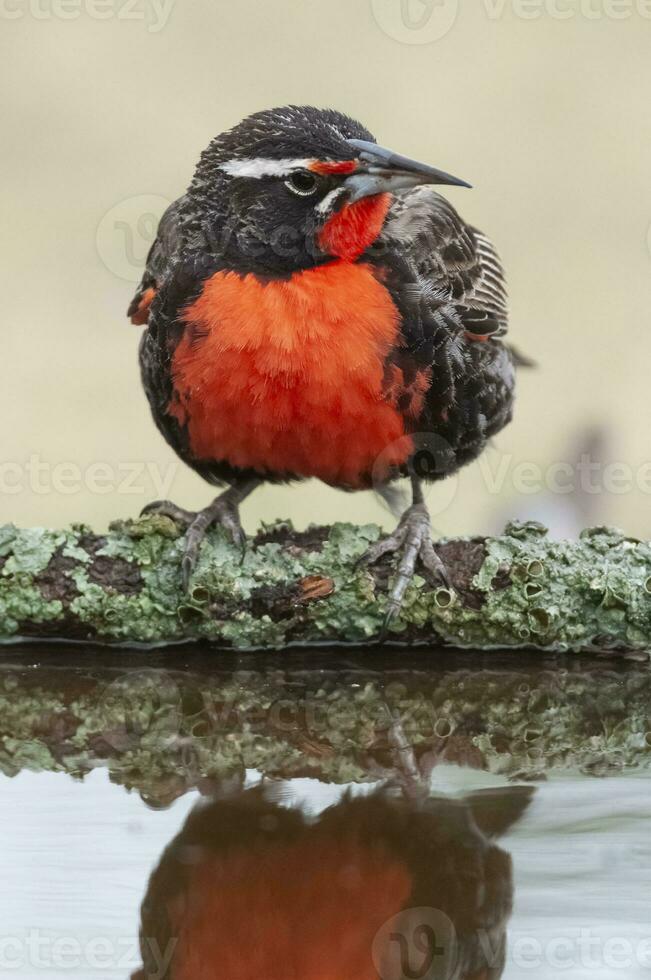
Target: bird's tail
[[520, 359]]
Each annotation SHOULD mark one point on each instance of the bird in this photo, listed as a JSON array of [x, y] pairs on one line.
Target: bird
[[382, 885], [314, 308]]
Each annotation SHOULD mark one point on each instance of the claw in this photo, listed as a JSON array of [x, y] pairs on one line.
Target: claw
[[438, 573], [412, 539], [382, 547], [166, 508], [389, 616], [232, 524], [187, 567], [223, 510], [384, 631]]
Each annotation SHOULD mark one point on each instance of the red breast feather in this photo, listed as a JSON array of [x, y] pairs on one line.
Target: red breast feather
[[288, 377]]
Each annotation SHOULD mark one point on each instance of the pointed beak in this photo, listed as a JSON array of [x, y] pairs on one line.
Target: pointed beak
[[381, 171]]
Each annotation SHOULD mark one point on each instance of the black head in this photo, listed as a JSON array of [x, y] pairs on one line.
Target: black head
[[276, 193]]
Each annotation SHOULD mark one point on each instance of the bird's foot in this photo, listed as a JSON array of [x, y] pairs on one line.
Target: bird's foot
[[166, 508], [412, 540], [223, 511], [407, 770]]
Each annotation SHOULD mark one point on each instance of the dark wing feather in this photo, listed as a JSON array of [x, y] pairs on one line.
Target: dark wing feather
[[181, 284], [447, 282], [161, 254], [487, 297], [460, 261]]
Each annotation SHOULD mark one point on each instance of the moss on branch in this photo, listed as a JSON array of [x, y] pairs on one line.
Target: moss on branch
[[518, 589]]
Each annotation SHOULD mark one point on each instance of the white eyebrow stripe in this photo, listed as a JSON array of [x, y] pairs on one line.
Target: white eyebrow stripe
[[264, 167], [325, 204]]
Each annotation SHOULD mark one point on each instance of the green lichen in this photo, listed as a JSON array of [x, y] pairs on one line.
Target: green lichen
[[28, 551], [568, 596], [23, 554], [526, 589]]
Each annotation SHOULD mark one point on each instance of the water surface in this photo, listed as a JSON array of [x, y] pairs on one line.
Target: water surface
[[411, 816]]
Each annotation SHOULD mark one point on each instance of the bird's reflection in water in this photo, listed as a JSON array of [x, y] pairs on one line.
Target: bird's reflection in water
[[395, 884]]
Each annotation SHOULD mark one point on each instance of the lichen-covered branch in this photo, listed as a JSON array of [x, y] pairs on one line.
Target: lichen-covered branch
[[166, 731], [519, 589]]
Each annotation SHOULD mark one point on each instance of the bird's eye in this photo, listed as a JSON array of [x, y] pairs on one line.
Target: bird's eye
[[302, 183]]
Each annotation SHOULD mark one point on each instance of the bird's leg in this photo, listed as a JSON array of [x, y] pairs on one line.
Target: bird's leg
[[407, 770], [224, 510], [412, 540]]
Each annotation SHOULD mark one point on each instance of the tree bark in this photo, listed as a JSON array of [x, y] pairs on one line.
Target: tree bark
[[520, 589]]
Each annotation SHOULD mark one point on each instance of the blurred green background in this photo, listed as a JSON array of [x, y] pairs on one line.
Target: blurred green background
[[543, 107]]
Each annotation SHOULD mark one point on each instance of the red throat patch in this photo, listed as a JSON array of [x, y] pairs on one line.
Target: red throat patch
[[355, 227]]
